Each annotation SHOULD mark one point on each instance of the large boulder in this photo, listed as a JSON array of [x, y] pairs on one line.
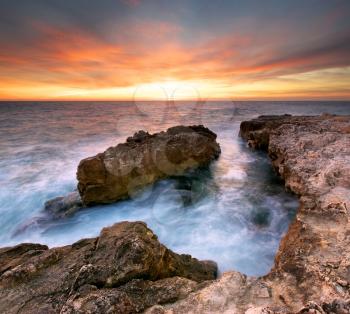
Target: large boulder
[[124, 270], [122, 170]]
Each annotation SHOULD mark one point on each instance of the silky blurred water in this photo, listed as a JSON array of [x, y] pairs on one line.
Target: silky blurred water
[[235, 212]]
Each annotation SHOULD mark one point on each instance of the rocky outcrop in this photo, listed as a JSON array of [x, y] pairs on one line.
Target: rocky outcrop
[[63, 206], [124, 270], [312, 154], [122, 170], [312, 267], [134, 274]]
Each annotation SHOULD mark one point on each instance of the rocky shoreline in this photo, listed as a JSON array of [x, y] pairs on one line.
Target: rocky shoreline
[[312, 266], [126, 269]]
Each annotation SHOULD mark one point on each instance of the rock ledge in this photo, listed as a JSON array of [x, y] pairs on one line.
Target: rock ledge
[[124, 270], [312, 266]]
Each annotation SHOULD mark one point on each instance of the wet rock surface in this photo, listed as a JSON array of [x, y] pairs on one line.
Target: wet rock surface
[[124, 270], [121, 171], [312, 266], [63, 206]]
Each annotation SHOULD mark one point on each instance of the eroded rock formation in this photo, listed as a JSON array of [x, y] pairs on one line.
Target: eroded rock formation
[[124, 270], [312, 267], [312, 154], [134, 274], [122, 170]]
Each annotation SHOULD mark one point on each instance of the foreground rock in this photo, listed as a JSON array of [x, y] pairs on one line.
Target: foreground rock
[[124, 270], [122, 170], [312, 267]]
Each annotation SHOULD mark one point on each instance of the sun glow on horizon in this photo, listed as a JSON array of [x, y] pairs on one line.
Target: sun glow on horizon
[[178, 51], [287, 87]]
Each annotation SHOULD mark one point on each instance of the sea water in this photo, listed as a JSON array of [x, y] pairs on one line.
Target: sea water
[[234, 212]]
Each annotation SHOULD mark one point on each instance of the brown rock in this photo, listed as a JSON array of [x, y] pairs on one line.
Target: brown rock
[[124, 270], [10, 257], [122, 170], [137, 253], [133, 297], [311, 272], [312, 266]]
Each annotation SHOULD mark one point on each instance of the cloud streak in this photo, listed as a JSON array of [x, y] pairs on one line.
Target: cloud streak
[[144, 50]]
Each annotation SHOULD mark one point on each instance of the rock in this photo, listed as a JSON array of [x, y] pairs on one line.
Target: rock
[[257, 131], [132, 297], [312, 265], [137, 254], [312, 155], [10, 257], [124, 270], [63, 206], [334, 307], [135, 273], [337, 306], [311, 308], [122, 170]]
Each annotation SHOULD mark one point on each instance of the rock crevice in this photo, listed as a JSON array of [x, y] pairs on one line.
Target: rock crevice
[[312, 266]]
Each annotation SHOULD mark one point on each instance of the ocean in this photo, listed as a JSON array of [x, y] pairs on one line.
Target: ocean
[[235, 212]]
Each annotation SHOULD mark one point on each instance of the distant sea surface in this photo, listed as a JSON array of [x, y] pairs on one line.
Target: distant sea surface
[[235, 212]]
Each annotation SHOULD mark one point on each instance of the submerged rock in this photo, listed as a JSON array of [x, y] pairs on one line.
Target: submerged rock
[[64, 205], [56, 208], [122, 170], [124, 270]]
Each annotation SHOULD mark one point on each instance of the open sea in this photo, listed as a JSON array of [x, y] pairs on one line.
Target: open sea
[[235, 212]]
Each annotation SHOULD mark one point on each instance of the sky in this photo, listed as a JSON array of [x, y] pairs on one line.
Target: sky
[[149, 49]]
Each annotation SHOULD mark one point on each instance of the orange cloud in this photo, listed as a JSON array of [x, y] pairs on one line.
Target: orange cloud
[[70, 63]]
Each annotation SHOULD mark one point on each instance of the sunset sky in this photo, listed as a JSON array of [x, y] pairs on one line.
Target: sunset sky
[[147, 49]]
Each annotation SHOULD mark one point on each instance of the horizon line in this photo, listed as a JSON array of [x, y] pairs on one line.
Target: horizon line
[[174, 100]]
